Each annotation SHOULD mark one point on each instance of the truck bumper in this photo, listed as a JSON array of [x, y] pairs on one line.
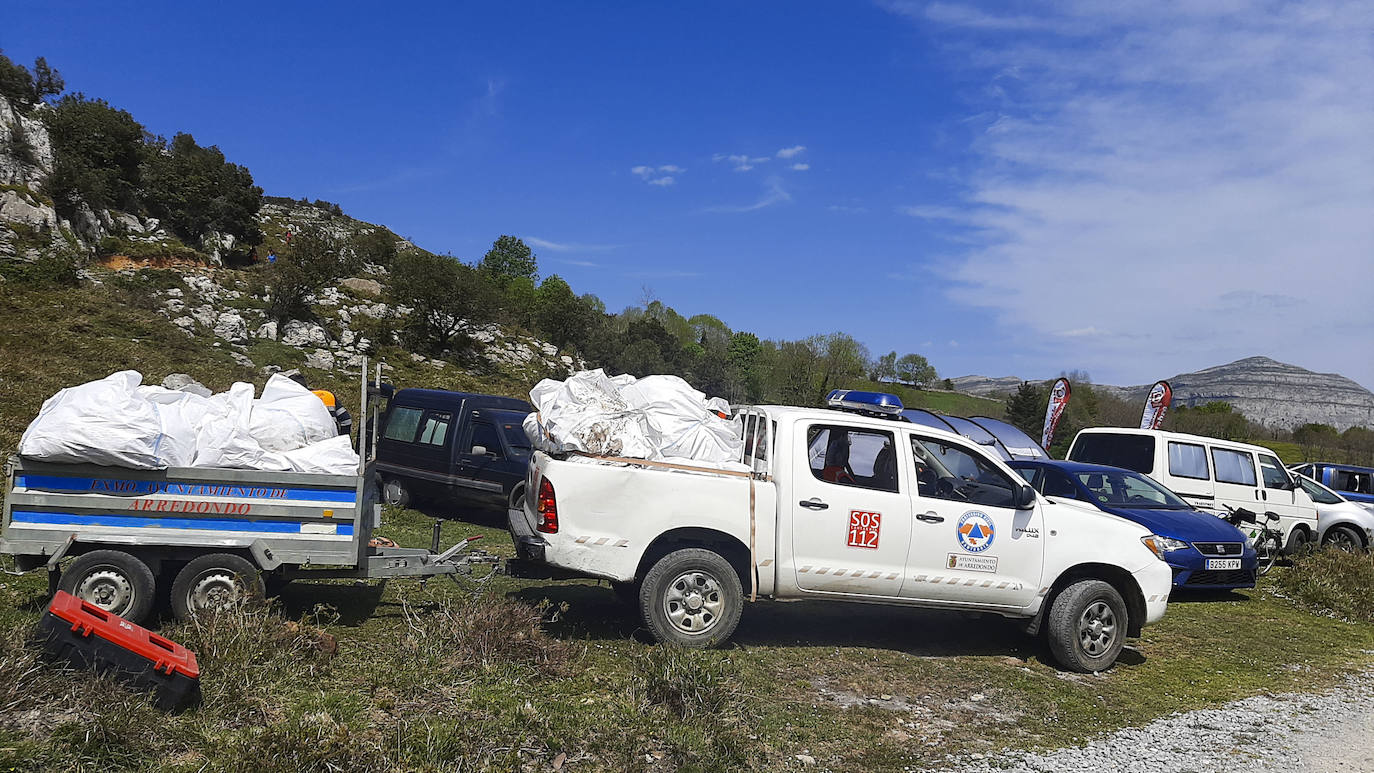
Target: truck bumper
[[1155, 580]]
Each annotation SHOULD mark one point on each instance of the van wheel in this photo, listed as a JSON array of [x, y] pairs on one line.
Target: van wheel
[[1343, 538], [113, 580], [1087, 626], [395, 494], [215, 582], [1298, 543], [691, 597]]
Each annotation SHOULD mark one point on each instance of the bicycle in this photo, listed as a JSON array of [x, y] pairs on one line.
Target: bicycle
[[1268, 541]]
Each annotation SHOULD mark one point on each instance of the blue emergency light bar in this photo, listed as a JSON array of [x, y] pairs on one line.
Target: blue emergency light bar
[[879, 403]]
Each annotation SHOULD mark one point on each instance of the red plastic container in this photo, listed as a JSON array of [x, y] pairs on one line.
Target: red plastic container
[[87, 636]]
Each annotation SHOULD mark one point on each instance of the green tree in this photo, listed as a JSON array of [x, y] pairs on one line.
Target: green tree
[[16, 82], [1025, 408], [97, 152], [913, 369], [947, 385], [885, 368], [312, 261], [376, 246], [196, 191], [843, 360], [563, 318], [47, 82], [446, 298], [509, 258], [743, 354]]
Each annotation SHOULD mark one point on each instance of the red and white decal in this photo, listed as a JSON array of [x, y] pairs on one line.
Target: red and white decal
[[863, 528]]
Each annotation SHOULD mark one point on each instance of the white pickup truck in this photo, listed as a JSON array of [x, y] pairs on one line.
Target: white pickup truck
[[842, 506]]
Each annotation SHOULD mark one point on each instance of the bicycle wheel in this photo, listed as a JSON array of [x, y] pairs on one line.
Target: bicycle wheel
[[1267, 548]]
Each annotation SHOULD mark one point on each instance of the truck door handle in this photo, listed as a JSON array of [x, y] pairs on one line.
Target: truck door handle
[[930, 518], [814, 503]]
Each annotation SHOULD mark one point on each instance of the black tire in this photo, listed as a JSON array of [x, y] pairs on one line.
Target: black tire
[[1266, 551], [1299, 542], [686, 578], [1087, 626], [395, 493], [216, 581], [113, 580], [1345, 538]]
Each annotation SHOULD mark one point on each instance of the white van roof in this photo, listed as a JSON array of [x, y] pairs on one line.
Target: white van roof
[[1179, 436]]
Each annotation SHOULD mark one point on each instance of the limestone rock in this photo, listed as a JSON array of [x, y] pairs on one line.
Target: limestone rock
[[267, 330], [16, 207], [231, 327], [321, 359], [184, 383], [368, 287], [301, 334]]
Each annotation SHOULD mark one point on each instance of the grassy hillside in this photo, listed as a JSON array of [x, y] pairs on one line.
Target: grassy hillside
[[938, 401]]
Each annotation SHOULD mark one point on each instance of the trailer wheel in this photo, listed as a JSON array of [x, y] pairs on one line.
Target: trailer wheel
[[395, 493], [691, 597], [215, 582], [113, 580]]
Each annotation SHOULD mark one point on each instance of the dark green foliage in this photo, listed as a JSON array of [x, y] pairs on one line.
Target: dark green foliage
[[884, 368], [509, 258], [915, 370], [1026, 408], [25, 89], [97, 151], [52, 269], [446, 296], [310, 262], [1215, 419], [563, 318], [377, 246], [947, 385], [47, 82], [195, 190], [743, 357]]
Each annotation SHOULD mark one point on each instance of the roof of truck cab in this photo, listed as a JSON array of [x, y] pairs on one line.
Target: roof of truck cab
[[440, 398], [849, 417]]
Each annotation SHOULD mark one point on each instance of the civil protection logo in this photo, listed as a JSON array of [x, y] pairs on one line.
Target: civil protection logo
[[975, 531]]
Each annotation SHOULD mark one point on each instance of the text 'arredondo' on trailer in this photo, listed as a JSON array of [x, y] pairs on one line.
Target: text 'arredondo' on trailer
[[292, 523]]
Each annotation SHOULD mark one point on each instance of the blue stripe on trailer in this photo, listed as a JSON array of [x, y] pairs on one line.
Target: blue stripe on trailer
[[214, 524], [118, 486]]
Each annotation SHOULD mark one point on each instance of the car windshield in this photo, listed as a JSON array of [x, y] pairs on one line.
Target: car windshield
[[1122, 488], [1319, 493], [512, 426]]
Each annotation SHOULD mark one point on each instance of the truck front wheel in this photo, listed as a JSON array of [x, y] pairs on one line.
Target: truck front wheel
[[113, 580], [691, 597], [1087, 626]]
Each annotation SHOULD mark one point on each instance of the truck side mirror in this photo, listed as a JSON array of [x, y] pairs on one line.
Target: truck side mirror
[[1024, 498], [479, 450]]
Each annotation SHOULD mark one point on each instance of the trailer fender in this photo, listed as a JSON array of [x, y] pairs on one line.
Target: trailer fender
[[263, 555]]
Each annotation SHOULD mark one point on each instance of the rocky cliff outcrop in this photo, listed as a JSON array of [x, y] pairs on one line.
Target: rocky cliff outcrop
[[1267, 391]]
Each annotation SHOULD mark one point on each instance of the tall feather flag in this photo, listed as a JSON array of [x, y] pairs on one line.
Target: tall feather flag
[[1059, 397], [1156, 405]]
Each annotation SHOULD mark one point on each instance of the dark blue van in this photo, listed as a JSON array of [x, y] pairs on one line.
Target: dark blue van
[[1203, 550], [453, 449]]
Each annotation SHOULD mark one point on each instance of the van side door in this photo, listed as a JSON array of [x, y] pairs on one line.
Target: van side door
[[1236, 481], [851, 521], [969, 544], [481, 459]]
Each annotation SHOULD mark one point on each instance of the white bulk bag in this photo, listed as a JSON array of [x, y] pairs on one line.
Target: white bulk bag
[[108, 422], [224, 438], [289, 416], [334, 456]]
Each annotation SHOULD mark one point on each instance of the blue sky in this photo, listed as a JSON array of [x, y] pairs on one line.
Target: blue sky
[[1132, 189]]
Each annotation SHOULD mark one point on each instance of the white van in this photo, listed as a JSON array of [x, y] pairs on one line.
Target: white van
[[1207, 473]]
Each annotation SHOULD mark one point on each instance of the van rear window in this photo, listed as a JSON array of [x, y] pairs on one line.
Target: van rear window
[[1132, 452]]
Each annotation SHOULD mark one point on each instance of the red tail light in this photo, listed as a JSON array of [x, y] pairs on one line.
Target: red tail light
[[547, 508]]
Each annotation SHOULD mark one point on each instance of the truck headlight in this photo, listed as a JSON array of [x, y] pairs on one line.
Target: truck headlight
[[1161, 545]]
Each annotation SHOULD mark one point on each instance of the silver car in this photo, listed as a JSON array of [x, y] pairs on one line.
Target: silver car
[[1340, 522]]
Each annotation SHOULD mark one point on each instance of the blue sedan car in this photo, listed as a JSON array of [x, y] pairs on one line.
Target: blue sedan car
[[1203, 550]]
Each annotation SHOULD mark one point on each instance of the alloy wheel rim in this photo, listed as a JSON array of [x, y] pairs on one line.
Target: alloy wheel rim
[[694, 602], [1097, 628]]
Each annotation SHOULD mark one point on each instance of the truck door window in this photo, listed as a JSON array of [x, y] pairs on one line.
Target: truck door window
[[948, 471], [1187, 460], [401, 424], [1233, 467], [484, 435], [435, 429], [1272, 470], [852, 457]]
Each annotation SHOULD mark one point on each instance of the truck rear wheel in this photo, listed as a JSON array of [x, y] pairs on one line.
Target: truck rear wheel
[[214, 582], [395, 493], [113, 580], [1087, 626], [691, 597]]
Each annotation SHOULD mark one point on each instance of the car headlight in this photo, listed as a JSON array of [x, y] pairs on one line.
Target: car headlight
[[1161, 545]]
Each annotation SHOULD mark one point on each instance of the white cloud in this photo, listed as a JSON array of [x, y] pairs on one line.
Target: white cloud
[[671, 169], [847, 209], [795, 150], [800, 167], [642, 171], [773, 193], [742, 162], [580, 263], [1171, 186], [545, 244], [662, 181], [647, 174]]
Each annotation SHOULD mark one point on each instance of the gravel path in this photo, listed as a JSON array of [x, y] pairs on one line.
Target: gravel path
[[1312, 733]]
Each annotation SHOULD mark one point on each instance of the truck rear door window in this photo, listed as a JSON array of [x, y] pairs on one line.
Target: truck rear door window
[[402, 423], [1188, 460], [853, 457], [435, 430], [1233, 467], [1133, 452]]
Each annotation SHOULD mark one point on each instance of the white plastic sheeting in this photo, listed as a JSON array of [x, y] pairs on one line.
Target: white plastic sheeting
[[116, 422], [659, 418]]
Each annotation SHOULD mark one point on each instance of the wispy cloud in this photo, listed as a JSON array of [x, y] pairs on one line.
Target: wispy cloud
[[552, 246], [1145, 160], [799, 167], [795, 150], [773, 193], [581, 263], [661, 176], [741, 162], [847, 209]]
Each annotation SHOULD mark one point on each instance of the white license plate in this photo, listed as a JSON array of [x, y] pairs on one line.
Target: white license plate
[[1223, 563]]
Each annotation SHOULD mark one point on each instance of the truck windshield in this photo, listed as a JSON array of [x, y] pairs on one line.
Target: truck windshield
[[1120, 488], [1133, 452]]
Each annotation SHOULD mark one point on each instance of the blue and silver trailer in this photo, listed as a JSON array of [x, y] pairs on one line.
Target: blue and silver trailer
[[108, 534]]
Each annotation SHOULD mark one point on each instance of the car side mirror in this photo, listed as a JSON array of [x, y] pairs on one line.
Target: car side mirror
[[479, 450], [1024, 499]]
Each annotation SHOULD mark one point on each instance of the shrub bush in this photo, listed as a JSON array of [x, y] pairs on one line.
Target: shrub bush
[[1334, 582]]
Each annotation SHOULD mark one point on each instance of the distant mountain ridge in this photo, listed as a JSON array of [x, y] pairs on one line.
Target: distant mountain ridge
[[1265, 390]]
